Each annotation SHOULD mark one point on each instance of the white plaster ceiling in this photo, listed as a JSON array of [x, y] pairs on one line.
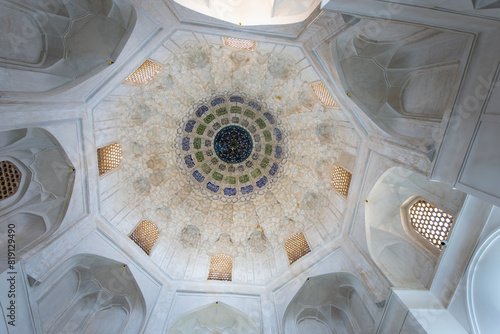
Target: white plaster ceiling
[[256, 12], [302, 200]]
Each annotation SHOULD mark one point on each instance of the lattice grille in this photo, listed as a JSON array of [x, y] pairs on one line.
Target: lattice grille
[[10, 178], [430, 222], [341, 180], [323, 95], [242, 44], [145, 235], [144, 73], [221, 268], [109, 157], [296, 247]]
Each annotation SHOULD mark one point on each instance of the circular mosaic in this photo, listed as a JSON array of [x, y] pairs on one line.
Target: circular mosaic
[[233, 144], [231, 147]]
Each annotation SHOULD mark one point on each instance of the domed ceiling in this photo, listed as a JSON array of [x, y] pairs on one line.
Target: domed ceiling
[[223, 145]]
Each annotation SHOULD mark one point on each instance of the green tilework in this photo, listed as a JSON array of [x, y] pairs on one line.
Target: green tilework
[[206, 168], [244, 178], [250, 114], [200, 129], [264, 163], [269, 149], [256, 173], [268, 135], [221, 111], [197, 143], [209, 118], [260, 123], [235, 110], [199, 156], [231, 179]]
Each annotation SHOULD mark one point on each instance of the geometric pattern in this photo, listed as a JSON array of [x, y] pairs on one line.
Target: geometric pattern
[[341, 180], [145, 235], [221, 268], [296, 247], [144, 73], [109, 157], [231, 147], [430, 222], [10, 178], [242, 44], [323, 95]]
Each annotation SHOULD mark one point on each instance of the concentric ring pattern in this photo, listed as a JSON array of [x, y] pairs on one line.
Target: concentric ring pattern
[[231, 147]]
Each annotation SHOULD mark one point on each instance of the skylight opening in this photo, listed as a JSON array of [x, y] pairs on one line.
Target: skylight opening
[[341, 180], [241, 44], [221, 268], [145, 235], [109, 158], [296, 247], [323, 95], [144, 73], [430, 222], [10, 178]]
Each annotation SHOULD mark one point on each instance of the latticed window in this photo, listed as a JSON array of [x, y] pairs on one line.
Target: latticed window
[[109, 157], [144, 73], [323, 95], [430, 222], [221, 268], [145, 235], [10, 178], [242, 44], [341, 180], [296, 247]]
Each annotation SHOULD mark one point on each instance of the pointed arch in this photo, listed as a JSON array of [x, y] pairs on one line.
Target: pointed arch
[[216, 317], [331, 303]]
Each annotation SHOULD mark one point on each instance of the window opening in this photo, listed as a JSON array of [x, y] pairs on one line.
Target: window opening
[[145, 235], [430, 222], [242, 44], [10, 178], [323, 95], [341, 180], [144, 73], [296, 247], [221, 268], [109, 157]]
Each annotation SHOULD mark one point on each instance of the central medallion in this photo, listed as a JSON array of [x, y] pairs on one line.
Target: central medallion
[[231, 147], [233, 144]]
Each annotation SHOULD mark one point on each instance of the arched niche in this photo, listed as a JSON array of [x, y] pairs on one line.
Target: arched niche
[[89, 294], [331, 303], [214, 318], [55, 45], [47, 177], [483, 295], [402, 257], [402, 76]]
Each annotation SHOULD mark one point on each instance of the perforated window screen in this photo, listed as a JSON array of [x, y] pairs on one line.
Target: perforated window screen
[[144, 73], [430, 222], [109, 157], [323, 95], [221, 268], [341, 180], [242, 44], [296, 247], [10, 178], [145, 235]]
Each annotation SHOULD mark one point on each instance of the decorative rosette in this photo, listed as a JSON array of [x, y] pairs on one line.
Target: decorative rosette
[[231, 147]]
